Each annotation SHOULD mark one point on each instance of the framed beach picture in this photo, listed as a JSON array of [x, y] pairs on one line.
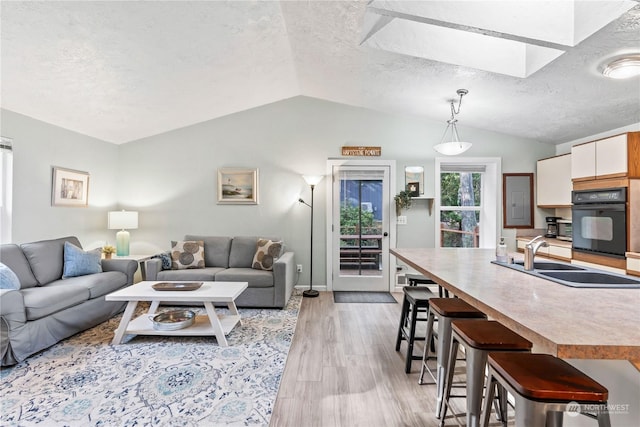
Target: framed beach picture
[[69, 188], [238, 186]]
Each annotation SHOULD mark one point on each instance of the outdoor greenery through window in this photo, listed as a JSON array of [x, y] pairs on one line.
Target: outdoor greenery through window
[[460, 205]]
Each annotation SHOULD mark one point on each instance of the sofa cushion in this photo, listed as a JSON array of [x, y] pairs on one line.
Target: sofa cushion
[[46, 258], [205, 274], [80, 263], [254, 278], [267, 252], [243, 248], [13, 257], [8, 279], [187, 254], [98, 284], [216, 249], [42, 301]]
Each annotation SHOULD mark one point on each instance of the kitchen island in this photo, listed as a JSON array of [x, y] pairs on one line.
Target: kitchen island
[[566, 322], [596, 330]]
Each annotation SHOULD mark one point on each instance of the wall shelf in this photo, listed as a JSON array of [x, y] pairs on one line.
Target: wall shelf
[[429, 202]]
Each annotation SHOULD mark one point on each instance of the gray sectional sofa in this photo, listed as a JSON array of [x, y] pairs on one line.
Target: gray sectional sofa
[[229, 259], [47, 308]]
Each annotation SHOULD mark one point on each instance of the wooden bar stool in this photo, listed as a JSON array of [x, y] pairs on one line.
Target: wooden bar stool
[[446, 310], [478, 337], [416, 300], [418, 279], [544, 387]]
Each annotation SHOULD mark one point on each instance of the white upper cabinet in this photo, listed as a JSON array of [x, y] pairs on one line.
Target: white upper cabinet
[[553, 181], [611, 155], [583, 161], [600, 159]]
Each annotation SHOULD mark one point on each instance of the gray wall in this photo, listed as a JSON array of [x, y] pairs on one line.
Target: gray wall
[[37, 147], [171, 178]]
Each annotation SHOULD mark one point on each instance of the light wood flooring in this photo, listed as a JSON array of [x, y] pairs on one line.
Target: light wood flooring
[[343, 370]]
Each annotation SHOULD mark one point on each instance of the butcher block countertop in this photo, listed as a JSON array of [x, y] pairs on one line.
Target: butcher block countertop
[[571, 323]]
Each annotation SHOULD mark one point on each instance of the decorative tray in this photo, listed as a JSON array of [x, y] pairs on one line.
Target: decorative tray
[[176, 286], [173, 320]]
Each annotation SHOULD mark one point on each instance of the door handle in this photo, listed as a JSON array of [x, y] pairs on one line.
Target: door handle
[[385, 234]]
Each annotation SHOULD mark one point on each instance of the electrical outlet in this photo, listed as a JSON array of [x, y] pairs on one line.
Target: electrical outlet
[[299, 268], [402, 220]]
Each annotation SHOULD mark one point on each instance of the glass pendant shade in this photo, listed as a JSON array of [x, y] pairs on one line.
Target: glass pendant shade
[[451, 145]]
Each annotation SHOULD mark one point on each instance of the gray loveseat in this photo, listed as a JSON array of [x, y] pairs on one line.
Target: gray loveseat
[[229, 259], [47, 308]]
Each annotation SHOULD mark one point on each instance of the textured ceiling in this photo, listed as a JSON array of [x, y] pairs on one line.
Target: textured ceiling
[[120, 71]]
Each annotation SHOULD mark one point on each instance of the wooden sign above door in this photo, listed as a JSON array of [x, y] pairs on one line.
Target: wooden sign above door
[[361, 151]]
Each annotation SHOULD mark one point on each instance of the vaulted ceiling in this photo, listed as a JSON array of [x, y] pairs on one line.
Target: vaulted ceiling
[[120, 71]]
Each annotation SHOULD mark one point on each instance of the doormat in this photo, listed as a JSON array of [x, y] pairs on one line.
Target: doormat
[[363, 297]]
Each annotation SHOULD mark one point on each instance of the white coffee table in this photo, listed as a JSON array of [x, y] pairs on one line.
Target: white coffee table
[[209, 293]]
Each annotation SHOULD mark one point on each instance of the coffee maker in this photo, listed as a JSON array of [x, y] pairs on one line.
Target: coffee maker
[[552, 226]]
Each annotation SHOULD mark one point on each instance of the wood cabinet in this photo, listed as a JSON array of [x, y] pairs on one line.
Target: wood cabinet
[[614, 157], [553, 182]]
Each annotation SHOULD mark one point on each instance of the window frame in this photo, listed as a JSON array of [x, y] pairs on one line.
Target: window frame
[[490, 198]]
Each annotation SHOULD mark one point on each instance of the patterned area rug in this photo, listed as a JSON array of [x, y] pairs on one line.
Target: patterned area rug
[[153, 380]]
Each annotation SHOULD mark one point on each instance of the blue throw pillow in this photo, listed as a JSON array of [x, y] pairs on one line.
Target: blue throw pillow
[[8, 279], [165, 257], [79, 263]]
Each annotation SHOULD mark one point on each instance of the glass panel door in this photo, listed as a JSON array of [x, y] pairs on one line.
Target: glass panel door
[[360, 218]]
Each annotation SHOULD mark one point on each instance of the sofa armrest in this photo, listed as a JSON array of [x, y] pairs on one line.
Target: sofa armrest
[[12, 308], [126, 266], [152, 267], [284, 276]]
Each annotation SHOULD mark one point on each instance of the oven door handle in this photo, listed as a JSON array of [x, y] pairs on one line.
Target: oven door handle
[[613, 207]]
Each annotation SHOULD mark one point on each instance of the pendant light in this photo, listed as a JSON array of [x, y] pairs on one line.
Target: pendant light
[[452, 146]]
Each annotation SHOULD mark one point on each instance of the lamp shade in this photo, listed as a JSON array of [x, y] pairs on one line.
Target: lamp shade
[[453, 146], [312, 179], [122, 220]]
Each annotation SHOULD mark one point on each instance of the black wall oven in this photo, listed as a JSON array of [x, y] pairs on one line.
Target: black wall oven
[[600, 221]]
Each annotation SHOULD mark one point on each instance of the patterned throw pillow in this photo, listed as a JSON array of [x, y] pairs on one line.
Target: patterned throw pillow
[[267, 252], [165, 257], [80, 263], [187, 254], [8, 279]]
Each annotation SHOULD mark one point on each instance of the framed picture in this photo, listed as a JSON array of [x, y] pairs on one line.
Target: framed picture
[[412, 175], [69, 188], [413, 188], [238, 186], [517, 200]]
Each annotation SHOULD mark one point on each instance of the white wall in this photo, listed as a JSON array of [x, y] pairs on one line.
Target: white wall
[[37, 147], [171, 178]]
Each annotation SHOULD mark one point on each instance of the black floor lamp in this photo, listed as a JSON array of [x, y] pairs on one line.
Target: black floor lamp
[[312, 180]]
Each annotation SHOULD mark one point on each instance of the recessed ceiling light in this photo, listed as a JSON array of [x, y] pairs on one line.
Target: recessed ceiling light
[[623, 68]]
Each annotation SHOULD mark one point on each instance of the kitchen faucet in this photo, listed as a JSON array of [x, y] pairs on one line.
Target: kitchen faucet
[[530, 250]]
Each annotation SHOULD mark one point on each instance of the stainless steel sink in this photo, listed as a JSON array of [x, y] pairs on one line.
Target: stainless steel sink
[[574, 276], [541, 265], [591, 277]]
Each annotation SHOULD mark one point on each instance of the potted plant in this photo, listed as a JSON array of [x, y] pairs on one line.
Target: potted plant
[[403, 201], [108, 251]]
